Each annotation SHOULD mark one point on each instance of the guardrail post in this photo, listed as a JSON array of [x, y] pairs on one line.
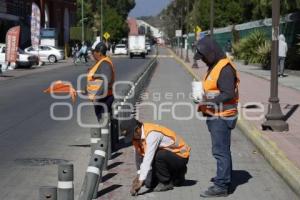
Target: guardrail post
[[95, 138], [65, 186], [106, 138], [48, 193], [93, 173], [101, 147]]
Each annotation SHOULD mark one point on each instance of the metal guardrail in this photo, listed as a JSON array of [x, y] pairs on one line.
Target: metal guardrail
[[103, 142]]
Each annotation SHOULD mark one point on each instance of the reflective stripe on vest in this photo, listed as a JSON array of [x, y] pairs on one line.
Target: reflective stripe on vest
[[95, 84], [210, 85], [179, 147]]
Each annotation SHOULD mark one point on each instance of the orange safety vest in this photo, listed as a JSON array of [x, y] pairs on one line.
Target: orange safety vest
[[179, 147], [94, 84], [210, 86]]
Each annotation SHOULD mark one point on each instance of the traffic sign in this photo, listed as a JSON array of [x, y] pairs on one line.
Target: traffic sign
[[106, 35], [178, 33], [198, 29]]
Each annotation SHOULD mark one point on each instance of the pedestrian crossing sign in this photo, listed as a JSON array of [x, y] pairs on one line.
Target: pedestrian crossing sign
[[106, 35], [198, 29]]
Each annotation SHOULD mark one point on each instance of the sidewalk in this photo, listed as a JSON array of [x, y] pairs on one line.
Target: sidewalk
[[291, 81], [282, 150], [253, 177]]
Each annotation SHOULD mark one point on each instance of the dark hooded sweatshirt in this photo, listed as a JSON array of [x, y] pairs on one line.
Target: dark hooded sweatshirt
[[211, 54]]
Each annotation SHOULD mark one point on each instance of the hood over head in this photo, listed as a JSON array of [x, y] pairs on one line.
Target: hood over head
[[281, 37], [209, 51]]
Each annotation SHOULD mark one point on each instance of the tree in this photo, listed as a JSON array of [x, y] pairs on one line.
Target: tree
[[115, 13]]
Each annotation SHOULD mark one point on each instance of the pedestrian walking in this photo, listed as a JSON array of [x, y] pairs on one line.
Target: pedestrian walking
[[84, 51], [161, 157], [220, 107], [228, 49], [101, 73], [282, 51]]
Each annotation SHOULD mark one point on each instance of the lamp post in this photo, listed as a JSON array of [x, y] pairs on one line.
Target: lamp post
[[101, 32], [275, 119], [187, 33], [180, 40], [82, 22], [212, 11]]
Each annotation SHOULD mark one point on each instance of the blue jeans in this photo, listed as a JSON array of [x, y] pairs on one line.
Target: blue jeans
[[220, 130]]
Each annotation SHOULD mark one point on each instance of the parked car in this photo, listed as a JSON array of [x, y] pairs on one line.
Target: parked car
[[121, 49], [46, 53], [26, 60], [2, 55], [23, 59], [148, 47]]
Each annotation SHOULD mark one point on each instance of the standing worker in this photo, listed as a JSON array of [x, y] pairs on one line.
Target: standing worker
[[282, 51], [101, 73], [161, 157], [220, 103]]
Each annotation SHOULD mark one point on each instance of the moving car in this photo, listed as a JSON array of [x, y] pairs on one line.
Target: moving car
[[148, 47], [137, 45], [121, 49], [46, 53]]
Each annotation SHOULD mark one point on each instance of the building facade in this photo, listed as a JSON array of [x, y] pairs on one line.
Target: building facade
[[56, 14]]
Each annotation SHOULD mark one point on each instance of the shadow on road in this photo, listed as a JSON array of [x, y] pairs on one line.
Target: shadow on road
[[108, 176], [239, 177], [108, 190], [292, 110], [113, 165]]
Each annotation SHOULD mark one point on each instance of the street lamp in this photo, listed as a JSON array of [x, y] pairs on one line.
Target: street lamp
[[82, 22], [101, 32], [187, 32], [275, 119], [180, 41]]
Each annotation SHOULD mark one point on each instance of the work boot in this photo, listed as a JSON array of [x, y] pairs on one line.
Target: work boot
[[214, 191], [161, 187]]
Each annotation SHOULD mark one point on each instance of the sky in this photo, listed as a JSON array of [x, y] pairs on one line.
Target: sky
[[148, 7]]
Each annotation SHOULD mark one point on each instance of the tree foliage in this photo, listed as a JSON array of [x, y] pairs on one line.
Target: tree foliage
[[115, 13], [227, 12]]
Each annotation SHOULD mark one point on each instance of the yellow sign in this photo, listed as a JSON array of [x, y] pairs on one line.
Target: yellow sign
[[198, 29], [106, 35]]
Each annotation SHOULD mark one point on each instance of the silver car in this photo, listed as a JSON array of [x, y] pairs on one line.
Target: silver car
[[46, 53]]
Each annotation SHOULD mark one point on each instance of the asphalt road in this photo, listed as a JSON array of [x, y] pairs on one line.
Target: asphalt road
[[32, 143]]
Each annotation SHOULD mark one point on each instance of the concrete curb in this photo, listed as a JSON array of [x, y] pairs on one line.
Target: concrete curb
[[277, 159]]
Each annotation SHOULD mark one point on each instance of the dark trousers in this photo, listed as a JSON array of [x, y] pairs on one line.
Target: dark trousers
[[220, 130], [166, 167], [99, 109]]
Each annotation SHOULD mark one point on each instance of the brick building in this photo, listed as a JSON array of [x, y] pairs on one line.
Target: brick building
[[57, 14]]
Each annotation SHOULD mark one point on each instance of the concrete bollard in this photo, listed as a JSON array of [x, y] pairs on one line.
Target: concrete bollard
[[95, 138], [93, 173], [48, 193], [65, 188]]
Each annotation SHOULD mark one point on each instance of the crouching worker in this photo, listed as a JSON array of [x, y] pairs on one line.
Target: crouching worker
[[161, 157]]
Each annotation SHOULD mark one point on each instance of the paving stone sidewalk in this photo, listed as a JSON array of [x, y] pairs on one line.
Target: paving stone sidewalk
[[253, 177]]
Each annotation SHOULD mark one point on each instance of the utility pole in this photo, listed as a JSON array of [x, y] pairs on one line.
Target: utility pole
[[180, 42], [187, 32], [275, 119], [101, 32], [82, 22], [212, 13]]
